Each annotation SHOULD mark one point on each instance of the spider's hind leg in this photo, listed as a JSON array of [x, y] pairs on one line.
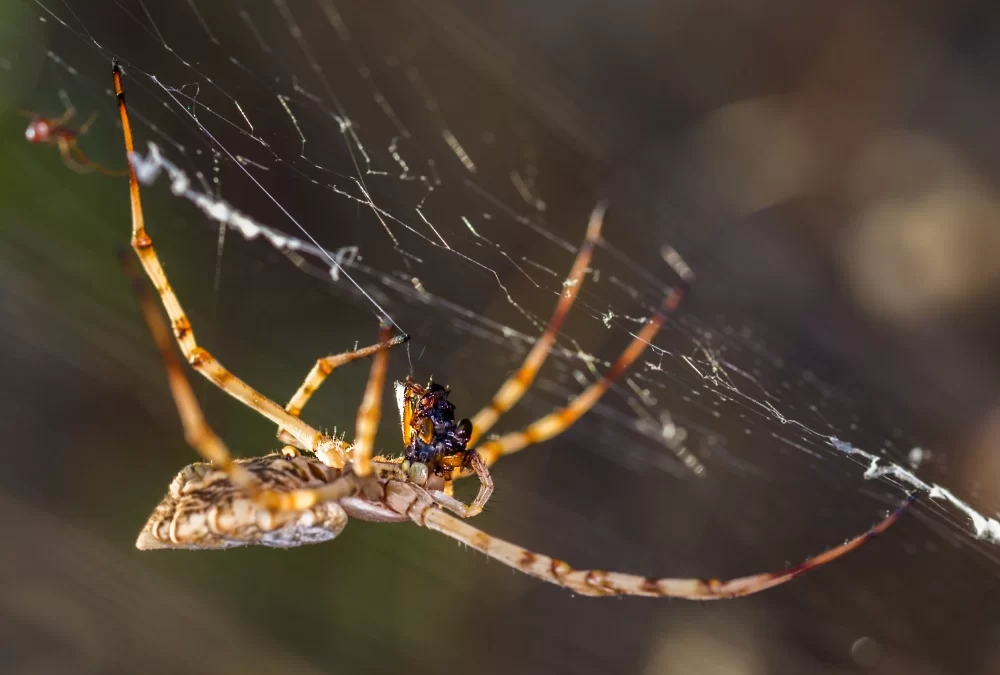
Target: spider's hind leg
[[201, 436], [330, 450], [600, 582]]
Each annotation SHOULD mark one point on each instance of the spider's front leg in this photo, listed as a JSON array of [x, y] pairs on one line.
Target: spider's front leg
[[513, 389], [556, 422], [445, 499]]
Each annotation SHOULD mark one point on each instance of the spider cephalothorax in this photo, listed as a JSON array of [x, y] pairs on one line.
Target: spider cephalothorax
[[431, 434]]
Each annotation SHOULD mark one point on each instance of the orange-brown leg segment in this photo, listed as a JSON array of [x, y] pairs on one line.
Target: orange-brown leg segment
[[513, 389], [370, 411], [598, 583], [557, 422], [329, 450], [200, 435], [322, 370]]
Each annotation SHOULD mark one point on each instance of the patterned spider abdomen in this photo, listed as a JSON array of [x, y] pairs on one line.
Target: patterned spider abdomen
[[430, 431], [203, 509]]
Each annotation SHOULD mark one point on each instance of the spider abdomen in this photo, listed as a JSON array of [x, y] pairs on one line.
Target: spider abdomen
[[203, 509]]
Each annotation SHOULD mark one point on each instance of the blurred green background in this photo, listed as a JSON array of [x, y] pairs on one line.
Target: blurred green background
[[828, 169]]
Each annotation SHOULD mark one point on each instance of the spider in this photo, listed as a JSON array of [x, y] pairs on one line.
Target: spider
[[56, 132], [305, 493]]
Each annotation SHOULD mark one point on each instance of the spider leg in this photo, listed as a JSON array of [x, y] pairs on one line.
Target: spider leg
[[322, 370], [199, 433], [557, 422], [370, 410], [84, 161], [81, 158], [599, 582], [513, 389], [63, 119], [329, 450], [86, 125], [446, 499], [71, 155]]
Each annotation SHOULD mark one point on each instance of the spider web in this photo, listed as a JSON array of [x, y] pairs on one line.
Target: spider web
[[344, 164]]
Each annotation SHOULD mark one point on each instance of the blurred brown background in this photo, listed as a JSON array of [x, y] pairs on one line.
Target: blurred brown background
[[828, 169]]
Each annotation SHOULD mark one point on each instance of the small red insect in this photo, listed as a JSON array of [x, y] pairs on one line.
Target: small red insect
[[56, 132]]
